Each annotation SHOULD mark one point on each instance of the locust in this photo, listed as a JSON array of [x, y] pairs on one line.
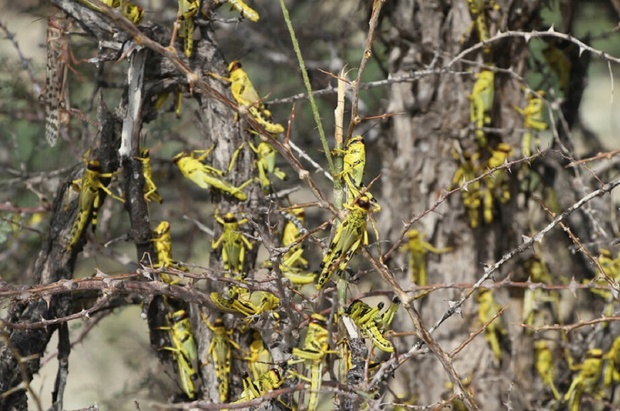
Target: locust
[[241, 301], [587, 380], [90, 189], [495, 184], [314, 349], [532, 120], [558, 57], [612, 370], [184, 349], [477, 8], [220, 351], [245, 10], [130, 11], [291, 234], [259, 357], [163, 247], [187, 11], [294, 273], [245, 95], [150, 188], [372, 323], [469, 168], [266, 163], [495, 331], [544, 365], [350, 234], [481, 105], [253, 389], [205, 176], [354, 162], [56, 82], [417, 249], [233, 242]]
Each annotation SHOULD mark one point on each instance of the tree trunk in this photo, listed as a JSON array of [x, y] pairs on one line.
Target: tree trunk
[[432, 116]]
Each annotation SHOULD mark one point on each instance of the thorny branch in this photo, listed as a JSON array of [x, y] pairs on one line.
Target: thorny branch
[[455, 307]]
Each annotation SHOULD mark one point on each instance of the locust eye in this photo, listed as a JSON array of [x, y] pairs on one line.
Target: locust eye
[[94, 165], [163, 227], [179, 315], [234, 66], [363, 202], [352, 306], [318, 319], [356, 139], [230, 218], [179, 156]]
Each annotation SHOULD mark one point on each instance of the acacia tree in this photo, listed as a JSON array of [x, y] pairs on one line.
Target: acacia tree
[[522, 239]]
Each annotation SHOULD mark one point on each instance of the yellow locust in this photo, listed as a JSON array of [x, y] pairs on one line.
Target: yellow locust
[[314, 349], [495, 331], [253, 389], [532, 121], [372, 323], [245, 95], [220, 351], [266, 163], [354, 162], [477, 8], [259, 357], [495, 185], [90, 189], [205, 176], [187, 11], [150, 188], [587, 380], [350, 234], [163, 247], [233, 242], [184, 349], [544, 365], [612, 370], [242, 301], [290, 238], [417, 249], [130, 11], [481, 106], [245, 10]]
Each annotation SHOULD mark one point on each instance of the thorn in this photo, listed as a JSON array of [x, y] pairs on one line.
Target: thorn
[[572, 287], [458, 310], [527, 37], [581, 50], [551, 29]]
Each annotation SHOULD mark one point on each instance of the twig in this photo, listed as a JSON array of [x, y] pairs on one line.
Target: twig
[[372, 25], [527, 35], [473, 335], [304, 74], [23, 60]]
